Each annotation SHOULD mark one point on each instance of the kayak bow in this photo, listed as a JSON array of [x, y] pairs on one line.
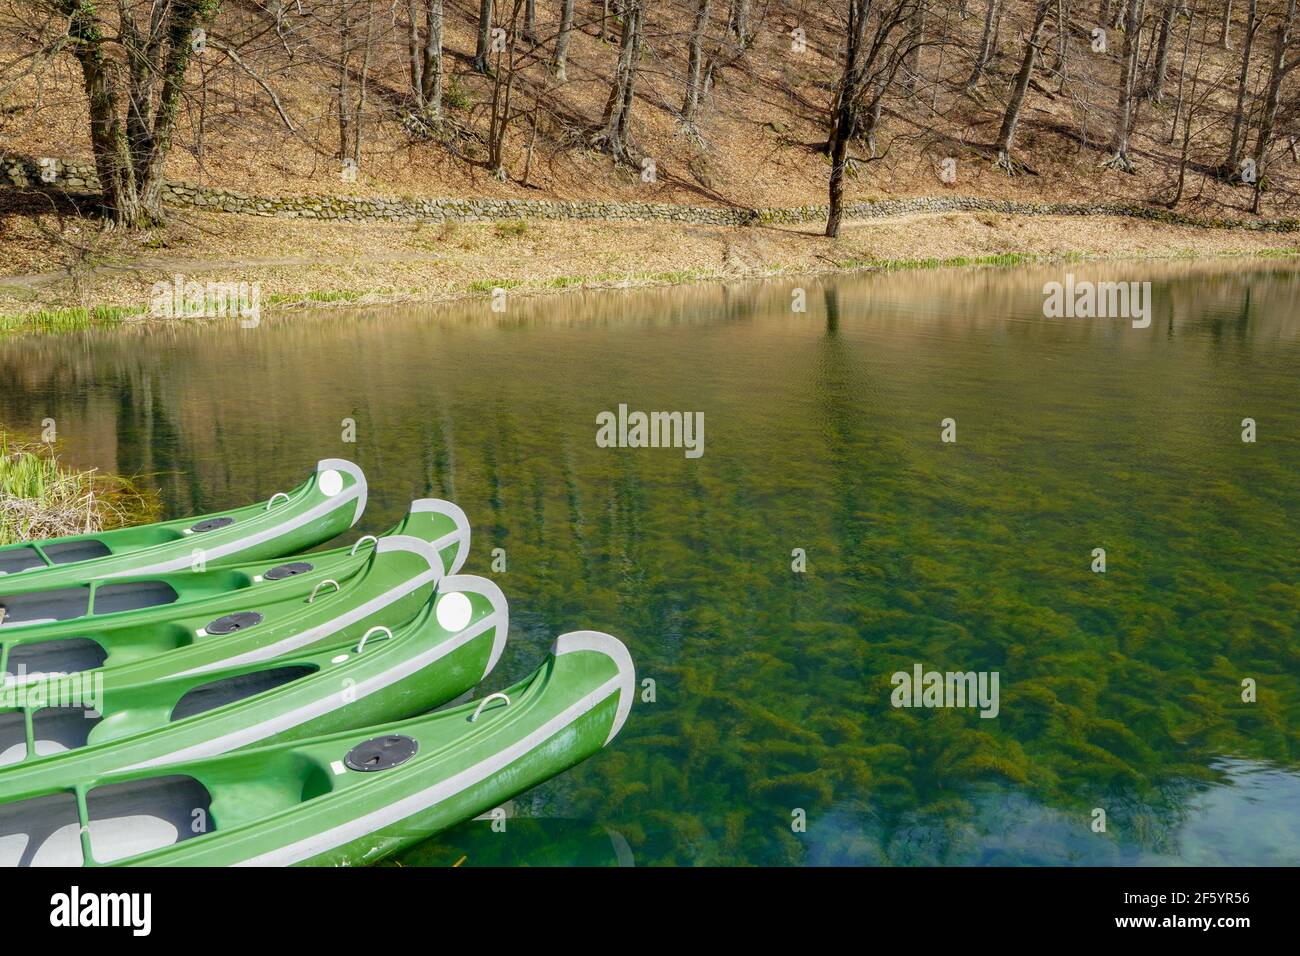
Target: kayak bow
[[207, 620], [387, 675], [327, 504], [346, 798]]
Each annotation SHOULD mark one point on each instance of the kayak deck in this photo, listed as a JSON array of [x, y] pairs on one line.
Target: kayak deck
[[325, 505], [344, 798]]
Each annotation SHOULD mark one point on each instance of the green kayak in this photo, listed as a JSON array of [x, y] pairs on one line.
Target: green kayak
[[326, 505], [443, 652], [204, 620], [347, 798]]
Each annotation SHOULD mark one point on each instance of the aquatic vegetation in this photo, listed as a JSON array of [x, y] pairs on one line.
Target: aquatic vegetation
[[68, 320], [771, 690], [41, 498]]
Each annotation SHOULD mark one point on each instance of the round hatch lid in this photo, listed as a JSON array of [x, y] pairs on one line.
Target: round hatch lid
[[381, 753], [283, 571], [212, 524], [234, 622]]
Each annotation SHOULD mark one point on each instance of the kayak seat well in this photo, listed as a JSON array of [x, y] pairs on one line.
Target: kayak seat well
[[286, 780], [41, 831], [41, 606], [126, 819], [70, 552], [228, 690], [13, 737], [64, 656], [132, 596], [14, 560], [56, 729]]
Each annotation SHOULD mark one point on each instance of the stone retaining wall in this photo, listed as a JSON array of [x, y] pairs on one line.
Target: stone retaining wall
[[75, 176]]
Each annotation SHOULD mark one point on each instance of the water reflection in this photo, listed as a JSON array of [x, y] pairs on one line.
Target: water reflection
[[1250, 816], [822, 435]]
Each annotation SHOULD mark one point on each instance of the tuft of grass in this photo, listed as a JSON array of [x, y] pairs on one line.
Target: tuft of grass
[[515, 229], [318, 295], [69, 320], [455, 96], [1001, 259], [41, 498], [487, 285]]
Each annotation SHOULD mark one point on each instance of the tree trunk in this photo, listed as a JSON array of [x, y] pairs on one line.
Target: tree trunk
[[1186, 152], [1225, 38], [359, 116], [691, 104], [345, 88], [1161, 67], [413, 46], [1236, 141], [530, 21], [186, 17], [991, 14], [1182, 71], [108, 138], [484, 36], [845, 118], [1272, 98], [618, 108], [1020, 87], [739, 20], [432, 71], [143, 57], [915, 39], [1119, 158], [562, 41]]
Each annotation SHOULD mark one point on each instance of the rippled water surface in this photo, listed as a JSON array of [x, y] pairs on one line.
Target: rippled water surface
[[1120, 691]]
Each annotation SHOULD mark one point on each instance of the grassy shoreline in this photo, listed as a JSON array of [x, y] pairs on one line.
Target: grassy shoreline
[[40, 497], [392, 265]]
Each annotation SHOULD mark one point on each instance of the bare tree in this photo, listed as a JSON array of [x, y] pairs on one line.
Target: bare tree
[[562, 41], [695, 57], [738, 22], [871, 63], [1236, 141], [1119, 158], [1193, 104], [131, 125], [1225, 37], [1160, 69], [530, 21], [483, 39], [613, 134], [992, 11], [414, 52], [432, 69], [1273, 97], [1019, 87]]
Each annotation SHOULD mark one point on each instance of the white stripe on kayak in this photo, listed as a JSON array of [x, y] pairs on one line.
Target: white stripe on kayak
[[318, 708], [182, 563], [443, 790], [374, 605]]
